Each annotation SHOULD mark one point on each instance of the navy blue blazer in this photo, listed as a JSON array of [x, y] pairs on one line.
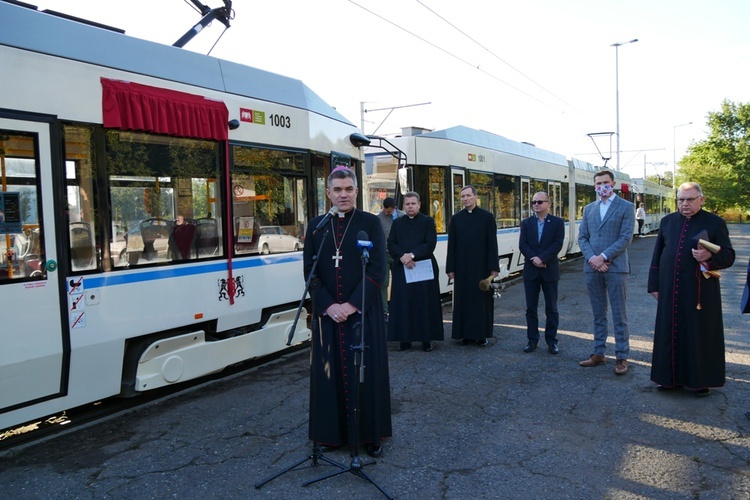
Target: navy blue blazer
[[546, 249]]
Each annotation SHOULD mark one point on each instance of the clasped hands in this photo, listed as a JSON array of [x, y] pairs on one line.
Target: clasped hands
[[598, 263], [407, 261], [538, 262], [340, 312]]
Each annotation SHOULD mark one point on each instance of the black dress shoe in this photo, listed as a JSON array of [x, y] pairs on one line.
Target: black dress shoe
[[465, 341], [553, 349], [427, 346], [483, 343], [375, 450], [530, 347], [404, 346]]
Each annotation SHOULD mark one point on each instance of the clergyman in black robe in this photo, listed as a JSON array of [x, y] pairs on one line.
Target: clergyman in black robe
[[689, 331], [338, 307], [472, 257], [416, 314]]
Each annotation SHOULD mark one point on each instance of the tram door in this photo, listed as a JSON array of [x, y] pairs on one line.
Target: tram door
[[555, 196], [458, 179], [31, 338], [525, 198]]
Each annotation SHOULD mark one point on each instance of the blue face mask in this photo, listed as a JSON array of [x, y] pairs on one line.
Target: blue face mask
[[604, 190]]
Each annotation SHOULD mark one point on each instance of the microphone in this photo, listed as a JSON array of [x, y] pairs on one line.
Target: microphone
[[325, 219], [363, 243]]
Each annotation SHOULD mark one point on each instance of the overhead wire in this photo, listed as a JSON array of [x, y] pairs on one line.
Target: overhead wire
[[493, 54], [459, 58]]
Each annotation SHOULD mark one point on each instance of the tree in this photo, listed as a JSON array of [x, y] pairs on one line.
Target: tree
[[721, 163], [664, 180]]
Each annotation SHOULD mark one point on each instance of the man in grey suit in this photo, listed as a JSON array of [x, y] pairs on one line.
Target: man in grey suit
[[605, 234]]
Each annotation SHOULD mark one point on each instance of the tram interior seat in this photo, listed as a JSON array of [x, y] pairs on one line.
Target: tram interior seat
[[151, 230], [206, 237], [81, 245], [181, 240]]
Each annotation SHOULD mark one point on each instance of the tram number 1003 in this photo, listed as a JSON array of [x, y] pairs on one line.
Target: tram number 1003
[[280, 121]]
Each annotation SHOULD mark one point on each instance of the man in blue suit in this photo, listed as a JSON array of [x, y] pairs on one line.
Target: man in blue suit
[[541, 240], [605, 234]]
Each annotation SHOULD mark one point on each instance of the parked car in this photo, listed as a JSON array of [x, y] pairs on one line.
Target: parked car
[[275, 239]]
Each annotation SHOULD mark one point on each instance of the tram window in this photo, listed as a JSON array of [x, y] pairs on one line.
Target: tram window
[[381, 182], [165, 205], [269, 200], [21, 236], [321, 167], [565, 201], [506, 201], [584, 195], [482, 182], [652, 204], [436, 197], [81, 209]]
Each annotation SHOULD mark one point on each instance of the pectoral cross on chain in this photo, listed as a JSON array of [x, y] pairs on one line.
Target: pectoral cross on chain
[[337, 258]]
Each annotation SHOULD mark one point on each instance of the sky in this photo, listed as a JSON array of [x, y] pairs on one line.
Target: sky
[[539, 71]]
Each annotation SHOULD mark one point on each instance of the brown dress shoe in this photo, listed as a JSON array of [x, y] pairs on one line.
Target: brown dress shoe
[[594, 360], [621, 367]]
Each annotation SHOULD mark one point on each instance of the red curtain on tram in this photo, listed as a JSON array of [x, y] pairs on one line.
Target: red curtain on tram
[[133, 106]]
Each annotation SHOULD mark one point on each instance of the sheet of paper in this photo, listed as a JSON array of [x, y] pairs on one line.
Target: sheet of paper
[[422, 271]]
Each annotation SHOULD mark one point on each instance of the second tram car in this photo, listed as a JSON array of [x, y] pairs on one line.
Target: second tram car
[[506, 174]]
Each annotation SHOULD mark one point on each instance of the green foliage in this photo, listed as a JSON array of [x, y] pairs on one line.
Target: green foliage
[[721, 163], [665, 180]]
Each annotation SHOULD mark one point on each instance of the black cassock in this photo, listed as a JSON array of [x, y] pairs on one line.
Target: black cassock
[[332, 373], [688, 342], [415, 311], [472, 255]]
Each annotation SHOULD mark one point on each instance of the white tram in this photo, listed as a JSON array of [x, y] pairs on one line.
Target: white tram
[[135, 180], [657, 201], [506, 174]]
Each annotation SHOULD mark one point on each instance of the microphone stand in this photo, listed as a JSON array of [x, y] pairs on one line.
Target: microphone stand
[[357, 465], [317, 452]]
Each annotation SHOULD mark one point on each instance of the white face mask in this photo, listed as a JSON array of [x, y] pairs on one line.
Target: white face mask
[[604, 190]]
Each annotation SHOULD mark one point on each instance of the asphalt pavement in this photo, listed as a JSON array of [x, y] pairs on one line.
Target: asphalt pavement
[[468, 422]]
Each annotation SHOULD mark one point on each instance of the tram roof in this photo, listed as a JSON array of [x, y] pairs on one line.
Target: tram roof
[[495, 142], [30, 29]]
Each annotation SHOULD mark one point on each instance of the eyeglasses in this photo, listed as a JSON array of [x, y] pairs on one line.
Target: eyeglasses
[[687, 200], [538, 202]]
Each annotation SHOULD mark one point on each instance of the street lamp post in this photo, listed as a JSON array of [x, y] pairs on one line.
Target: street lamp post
[[674, 153], [616, 45]]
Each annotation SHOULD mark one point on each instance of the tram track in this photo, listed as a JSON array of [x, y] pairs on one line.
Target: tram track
[[49, 427]]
